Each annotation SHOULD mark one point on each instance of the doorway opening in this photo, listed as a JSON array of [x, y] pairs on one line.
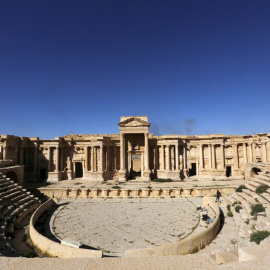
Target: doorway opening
[[228, 171], [78, 170], [42, 174], [256, 171], [193, 170], [12, 175], [135, 170]]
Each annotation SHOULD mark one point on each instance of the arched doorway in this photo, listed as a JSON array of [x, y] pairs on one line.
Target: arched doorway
[[12, 175], [255, 171]]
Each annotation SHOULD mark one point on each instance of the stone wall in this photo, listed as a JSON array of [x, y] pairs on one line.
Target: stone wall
[[135, 153], [134, 193]]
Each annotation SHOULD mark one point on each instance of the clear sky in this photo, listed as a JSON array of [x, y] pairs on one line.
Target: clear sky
[[75, 67]]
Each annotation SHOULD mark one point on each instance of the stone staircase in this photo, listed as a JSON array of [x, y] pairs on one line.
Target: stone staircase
[[15, 204]]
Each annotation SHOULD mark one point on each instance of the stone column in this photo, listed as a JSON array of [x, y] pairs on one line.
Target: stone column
[[92, 158], [213, 157], [27, 157], [95, 159], [245, 152], [57, 159], [250, 152], [264, 151], [222, 156], [62, 159], [162, 157], [142, 168], [156, 157], [210, 157], [114, 157], [122, 152], [49, 158], [184, 157], [108, 159], [235, 156], [4, 152], [146, 152], [197, 168], [201, 157], [176, 158], [21, 155], [167, 157], [101, 158], [36, 157], [129, 161], [86, 158]]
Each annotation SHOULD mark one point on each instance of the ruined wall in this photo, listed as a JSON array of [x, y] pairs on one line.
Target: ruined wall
[[214, 156]]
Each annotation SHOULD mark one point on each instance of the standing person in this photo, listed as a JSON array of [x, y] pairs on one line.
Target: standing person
[[218, 195]]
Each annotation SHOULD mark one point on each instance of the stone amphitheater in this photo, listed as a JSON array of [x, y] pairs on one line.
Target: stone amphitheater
[[159, 215]]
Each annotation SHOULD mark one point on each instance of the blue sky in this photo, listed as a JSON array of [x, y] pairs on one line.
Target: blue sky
[[75, 67]]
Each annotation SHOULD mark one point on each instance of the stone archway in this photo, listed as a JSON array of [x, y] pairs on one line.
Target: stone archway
[[15, 173], [12, 175], [255, 171]]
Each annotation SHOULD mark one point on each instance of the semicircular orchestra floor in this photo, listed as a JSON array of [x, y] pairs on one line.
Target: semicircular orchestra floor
[[116, 225]]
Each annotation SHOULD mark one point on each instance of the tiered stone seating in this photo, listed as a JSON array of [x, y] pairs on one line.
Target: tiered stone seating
[[15, 204], [248, 197]]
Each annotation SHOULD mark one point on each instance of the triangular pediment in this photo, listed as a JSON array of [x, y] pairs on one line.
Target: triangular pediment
[[133, 122]]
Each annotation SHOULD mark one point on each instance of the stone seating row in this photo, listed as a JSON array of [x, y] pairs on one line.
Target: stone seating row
[[15, 204], [244, 222]]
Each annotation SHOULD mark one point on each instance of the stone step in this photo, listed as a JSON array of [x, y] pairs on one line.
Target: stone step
[[261, 200], [7, 192], [21, 196], [264, 176], [4, 184], [252, 186], [229, 200], [243, 213], [245, 196], [243, 229], [29, 206], [266, 196], [20, 209], [246, 206], [250, 192], [6, 188], [260, 181], [4, 212], [237, 198], [6, 199], [3, 180]]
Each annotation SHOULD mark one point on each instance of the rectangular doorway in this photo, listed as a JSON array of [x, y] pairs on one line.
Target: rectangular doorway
[[228, 171], [193, 170], [78, 170], [43, 174]]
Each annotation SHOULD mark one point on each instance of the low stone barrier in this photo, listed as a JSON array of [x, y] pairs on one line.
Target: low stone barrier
[[52, 248], [135, 193], [188, 245]]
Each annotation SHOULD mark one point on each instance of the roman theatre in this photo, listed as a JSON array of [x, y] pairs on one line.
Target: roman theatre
[[135, 200]]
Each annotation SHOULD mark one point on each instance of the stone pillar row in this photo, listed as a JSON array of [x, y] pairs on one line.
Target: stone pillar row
[[166, 164]]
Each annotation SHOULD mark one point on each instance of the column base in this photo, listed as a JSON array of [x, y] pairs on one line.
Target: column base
[[69, 175], [185, 171], [54, 176], [146, 176], [122, 176], [174, 175]]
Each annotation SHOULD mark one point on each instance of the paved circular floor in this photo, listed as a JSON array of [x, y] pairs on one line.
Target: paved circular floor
[[116, 225]]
